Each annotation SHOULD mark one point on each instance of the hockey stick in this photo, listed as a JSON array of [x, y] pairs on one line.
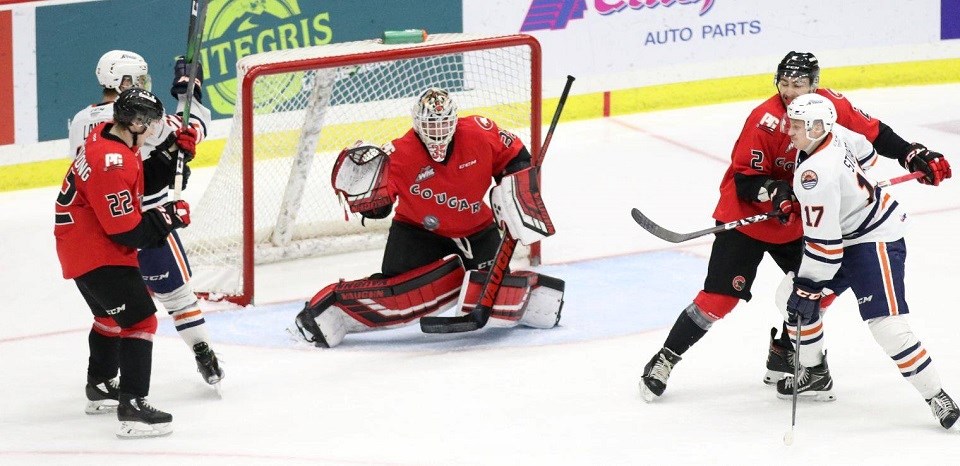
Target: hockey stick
[[788, 436], [675, 237], [478, 317], [198, 15]]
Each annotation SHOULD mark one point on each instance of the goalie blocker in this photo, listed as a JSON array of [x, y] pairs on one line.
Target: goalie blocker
[[526, 298]]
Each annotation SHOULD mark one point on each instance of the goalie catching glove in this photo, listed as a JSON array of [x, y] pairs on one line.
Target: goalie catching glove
[[360, 178], [517, 204]]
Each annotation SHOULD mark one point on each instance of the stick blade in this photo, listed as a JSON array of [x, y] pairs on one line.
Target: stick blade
[[655, 229], [466, 323]]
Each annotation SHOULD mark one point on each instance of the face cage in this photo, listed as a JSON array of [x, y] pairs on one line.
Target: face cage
[[428, 128]]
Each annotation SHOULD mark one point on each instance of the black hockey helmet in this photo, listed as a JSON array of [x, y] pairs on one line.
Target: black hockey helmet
[[799, 64], [136, 103]]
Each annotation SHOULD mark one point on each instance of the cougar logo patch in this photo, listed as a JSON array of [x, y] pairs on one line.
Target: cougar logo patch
[[808, 179], [484, 122], [739, 282]]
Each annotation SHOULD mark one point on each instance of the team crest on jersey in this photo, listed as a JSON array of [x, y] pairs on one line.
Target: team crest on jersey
[[808, 179], [425, 174], [112, 160], [484, 122], [769, 122]]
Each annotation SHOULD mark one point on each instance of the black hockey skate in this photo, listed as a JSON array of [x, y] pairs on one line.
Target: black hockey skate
[[656, 373], [779, 359], [815, 383], [102, 395], [944, 409], [207, 363], [139, 419]]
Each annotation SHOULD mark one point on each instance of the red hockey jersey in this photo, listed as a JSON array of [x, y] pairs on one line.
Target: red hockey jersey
[[452, 191], [100, 196], [764, 149]]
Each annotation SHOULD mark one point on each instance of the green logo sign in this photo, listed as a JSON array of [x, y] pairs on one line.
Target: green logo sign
[[237, 28]]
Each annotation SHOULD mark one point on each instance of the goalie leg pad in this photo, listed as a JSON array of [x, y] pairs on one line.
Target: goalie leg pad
[[526, 298], [378, 304], [517, 203]]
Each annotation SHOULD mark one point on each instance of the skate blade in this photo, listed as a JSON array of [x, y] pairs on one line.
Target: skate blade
[[646, 394], [101, 407], [217, 388], [827, 395], [134, 429], [772, 377]]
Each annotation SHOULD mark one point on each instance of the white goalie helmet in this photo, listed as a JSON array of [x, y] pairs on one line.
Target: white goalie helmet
[[435, 120], [115, 65], [811, 108]]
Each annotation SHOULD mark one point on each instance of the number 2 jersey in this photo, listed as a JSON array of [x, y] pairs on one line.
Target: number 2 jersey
[[453, 190], [101, 195], [763, 148], [840, 206]]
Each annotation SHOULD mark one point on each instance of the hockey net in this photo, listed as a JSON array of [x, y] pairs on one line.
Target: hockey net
[[270, 197]]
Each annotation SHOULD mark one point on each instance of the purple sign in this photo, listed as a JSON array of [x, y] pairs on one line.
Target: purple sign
[[552, 14], [949, 19]]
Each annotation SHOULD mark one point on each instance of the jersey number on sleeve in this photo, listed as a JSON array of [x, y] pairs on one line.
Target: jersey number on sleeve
[[65, 198], [757, 161], [813, 213], [120, 203]]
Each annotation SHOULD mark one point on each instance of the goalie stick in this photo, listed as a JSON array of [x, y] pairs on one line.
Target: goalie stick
[[478, 317], [198, 15], [674, 237]]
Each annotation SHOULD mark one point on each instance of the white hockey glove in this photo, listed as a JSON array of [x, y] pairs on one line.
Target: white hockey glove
[[517, 204]]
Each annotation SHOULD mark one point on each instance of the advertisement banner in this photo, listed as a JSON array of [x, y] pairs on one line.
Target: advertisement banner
[[71, 38], [622, 44]]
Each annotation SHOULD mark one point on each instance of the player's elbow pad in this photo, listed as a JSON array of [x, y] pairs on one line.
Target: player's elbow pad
[[749, 186], [149, 233], [520, 162]]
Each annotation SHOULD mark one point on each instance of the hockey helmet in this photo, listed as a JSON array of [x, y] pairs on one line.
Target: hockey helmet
[[116, 65], [797, 65], [138, 106], [435, 120], [811, 108]]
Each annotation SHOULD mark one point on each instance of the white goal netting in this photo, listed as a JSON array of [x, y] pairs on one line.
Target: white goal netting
[[302, 107]]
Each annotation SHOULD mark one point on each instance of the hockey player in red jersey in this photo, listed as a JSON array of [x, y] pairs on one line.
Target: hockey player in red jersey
[[165, 266], [99, 227], [758, 181], [438, 173]]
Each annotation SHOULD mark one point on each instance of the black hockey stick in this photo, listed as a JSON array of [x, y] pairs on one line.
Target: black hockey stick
[[674, 237], [788, 436], [478, 317], [198, 15]]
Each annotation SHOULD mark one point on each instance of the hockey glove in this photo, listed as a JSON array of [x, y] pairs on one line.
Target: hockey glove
[[176, 214], [932, 164], [781, 196], [186, 139], [804, 302], [181, 77]]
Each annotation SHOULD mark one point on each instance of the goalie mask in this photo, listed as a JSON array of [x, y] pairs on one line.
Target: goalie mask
[[116, 66], [811, 109], [435, 120]]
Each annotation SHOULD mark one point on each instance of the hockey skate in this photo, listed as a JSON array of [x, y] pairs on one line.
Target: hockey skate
[[944, 409], [656, 373], [779, 360], [815, 383], [138, 419], [102, 395], [208, 365]]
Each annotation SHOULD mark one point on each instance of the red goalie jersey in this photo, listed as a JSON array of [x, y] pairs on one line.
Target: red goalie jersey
[[452, 191], [100, 196], [764, 149]]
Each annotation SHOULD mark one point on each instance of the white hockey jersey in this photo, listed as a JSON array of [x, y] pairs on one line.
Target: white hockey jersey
[[85, 120], [839, 205]]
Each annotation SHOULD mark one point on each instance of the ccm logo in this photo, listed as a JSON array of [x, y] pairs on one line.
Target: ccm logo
[[808, 295]]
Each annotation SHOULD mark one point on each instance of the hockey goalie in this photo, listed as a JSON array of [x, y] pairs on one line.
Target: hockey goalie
[[443, 236]]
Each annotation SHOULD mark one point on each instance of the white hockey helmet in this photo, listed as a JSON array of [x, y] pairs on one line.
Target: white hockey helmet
[[811, 108], [115, 65], [435, 120]]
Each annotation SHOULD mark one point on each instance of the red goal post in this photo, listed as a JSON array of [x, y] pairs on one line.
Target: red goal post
[[269, 199]]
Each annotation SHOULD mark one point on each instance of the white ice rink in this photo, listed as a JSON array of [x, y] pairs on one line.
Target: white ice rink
[[521, 396]]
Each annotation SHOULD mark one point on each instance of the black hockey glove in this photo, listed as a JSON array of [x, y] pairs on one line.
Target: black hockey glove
[[804, 302], [932, 164], [176, 214], [181, 77], [162, 164], [781, 196]]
